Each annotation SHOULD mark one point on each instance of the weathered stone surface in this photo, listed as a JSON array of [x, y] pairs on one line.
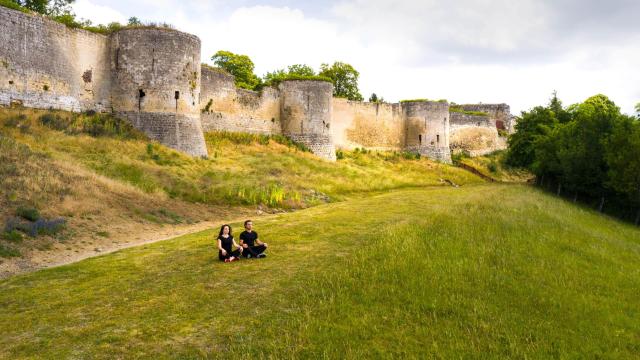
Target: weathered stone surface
[[371, 125], [42, 63], [225, 107], [477, 135], [306, 114]]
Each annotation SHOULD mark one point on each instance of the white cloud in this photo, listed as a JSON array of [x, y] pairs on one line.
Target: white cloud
[[98, 14], [465, 51]]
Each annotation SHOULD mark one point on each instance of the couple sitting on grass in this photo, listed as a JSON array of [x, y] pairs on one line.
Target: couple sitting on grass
[[250, 246]]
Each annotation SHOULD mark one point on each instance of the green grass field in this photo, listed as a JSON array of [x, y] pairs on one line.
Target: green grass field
[[486, 271]]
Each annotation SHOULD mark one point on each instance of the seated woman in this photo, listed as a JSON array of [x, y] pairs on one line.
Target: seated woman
[[226, 244]]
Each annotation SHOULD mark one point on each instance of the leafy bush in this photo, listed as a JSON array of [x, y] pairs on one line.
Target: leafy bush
[[40, 226], [493, 166], [30, 214], [339, 154], [7, 252], [457, 157], [13, 5], [15, 121], [91, 123], [13, 236], [53, 121], [408, 155]]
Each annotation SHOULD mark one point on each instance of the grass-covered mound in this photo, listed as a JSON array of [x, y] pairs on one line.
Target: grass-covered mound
[[241, 168], [485, 271]]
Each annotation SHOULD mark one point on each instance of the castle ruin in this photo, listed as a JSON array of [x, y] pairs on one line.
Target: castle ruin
[[153, 77]]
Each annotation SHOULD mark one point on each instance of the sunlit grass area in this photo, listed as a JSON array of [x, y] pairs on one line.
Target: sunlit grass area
[[241, 168], [497, 271]]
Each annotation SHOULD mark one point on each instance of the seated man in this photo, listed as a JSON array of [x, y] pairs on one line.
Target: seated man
[[252, 246]]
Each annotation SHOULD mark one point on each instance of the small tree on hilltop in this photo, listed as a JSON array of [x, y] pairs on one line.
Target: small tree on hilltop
[[240, 66], [375, 99], [344, 78], [134, 21]]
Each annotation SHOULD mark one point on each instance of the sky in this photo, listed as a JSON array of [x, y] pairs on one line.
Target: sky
[[489, 51]]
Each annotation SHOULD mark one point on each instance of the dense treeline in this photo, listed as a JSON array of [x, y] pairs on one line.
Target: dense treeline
[[588, 151]]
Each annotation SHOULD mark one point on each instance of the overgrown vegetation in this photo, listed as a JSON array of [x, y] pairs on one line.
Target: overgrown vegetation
[[588, 151], [459, 109], [492, 166], [92, 123], [60, 11], [423, 100], [242, 169], [423, 273]]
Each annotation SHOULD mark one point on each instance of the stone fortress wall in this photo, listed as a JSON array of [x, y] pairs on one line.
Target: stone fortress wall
[[154, 79]]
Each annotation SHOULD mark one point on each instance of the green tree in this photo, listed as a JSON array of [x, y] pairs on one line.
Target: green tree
[[375, 99], [623, 160], [300, 70], [638, 110], [344, 78], [240, 66], [134, 21], [581, 150], [531, 126], [47, 7]]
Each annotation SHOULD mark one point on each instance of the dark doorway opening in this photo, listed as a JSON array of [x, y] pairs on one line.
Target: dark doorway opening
[[141, 94]]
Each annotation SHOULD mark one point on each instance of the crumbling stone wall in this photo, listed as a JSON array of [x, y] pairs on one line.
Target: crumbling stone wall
[[225, 107], [500, 114], [306, 108], [371, 125], [477, 135], [44, 64]]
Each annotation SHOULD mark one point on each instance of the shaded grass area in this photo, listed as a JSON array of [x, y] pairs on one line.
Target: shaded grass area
[[493, 166], [241, 169], [486, 271]]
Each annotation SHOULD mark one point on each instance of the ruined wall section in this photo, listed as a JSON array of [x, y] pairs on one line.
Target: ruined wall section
[[476, 135], [227, 108], [156, 85], [427, 128], [370, 125], [499, 113], [306, 113], [44, 64]]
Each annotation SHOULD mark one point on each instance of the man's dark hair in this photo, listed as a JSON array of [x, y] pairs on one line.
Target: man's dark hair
[[246, 222]]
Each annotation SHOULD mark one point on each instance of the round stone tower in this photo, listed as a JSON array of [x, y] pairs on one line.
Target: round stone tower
[[306, 107], [156, 85], [427, 128]]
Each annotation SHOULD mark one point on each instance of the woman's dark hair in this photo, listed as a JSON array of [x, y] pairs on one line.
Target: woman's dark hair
[[222, 228]]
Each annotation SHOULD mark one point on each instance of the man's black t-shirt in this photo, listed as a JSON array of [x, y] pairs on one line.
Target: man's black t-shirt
[[227, 243], [249, 238]]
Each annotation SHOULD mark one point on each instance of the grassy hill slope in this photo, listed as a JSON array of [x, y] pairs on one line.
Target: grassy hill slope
[[485, 271], [109, 183]]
